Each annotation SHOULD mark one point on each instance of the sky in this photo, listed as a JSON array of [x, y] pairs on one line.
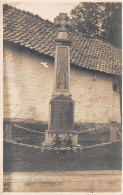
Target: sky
[[46, 10]]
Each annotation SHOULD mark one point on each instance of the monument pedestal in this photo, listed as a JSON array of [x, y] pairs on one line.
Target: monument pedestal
[[50, 135], [61, 120]]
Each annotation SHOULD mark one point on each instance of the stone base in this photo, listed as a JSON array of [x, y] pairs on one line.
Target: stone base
[[50, 134]]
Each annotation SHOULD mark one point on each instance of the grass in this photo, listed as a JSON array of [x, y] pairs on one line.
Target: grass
[[20, 158]]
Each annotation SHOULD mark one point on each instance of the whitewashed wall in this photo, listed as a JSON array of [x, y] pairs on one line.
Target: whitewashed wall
[[28, 88]]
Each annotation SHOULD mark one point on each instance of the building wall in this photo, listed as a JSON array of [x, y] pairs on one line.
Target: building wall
[[28, 86]]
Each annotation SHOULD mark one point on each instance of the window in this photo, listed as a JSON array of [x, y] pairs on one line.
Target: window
[[115, 85]]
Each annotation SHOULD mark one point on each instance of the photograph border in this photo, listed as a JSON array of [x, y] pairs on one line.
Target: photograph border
[[1, 101]]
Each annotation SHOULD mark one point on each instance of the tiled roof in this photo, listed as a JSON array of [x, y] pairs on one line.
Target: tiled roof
[[36, 33]]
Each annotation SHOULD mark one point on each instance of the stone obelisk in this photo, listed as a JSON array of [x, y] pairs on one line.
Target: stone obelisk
[[61, 112]]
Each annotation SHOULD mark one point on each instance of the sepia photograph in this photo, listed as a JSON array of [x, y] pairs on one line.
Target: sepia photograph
[[62, 96]]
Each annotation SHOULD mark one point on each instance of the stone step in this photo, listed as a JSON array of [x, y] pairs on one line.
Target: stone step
[[74, 181]]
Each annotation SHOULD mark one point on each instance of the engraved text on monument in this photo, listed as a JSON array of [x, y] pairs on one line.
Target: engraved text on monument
[[62, 70]]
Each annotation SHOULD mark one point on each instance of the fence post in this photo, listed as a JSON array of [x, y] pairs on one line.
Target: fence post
[[8, 131], [113, 131]]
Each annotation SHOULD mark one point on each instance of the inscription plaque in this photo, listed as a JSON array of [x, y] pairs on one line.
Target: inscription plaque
[[62, 115], [62, 69]]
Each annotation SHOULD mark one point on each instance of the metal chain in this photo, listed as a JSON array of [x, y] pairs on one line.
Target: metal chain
[[92, 129], [21, 144], [118, 130], [34, 131], [102, 144], [28, 129], [34, 146], [62, 148], [89, 130]]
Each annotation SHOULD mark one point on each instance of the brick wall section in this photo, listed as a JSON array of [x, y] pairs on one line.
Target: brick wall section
[[28, 88]]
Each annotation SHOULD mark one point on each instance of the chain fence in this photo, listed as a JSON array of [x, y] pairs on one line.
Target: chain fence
[[34, 131], [76, 148], [79, 132], [31, 130], [93, 129]]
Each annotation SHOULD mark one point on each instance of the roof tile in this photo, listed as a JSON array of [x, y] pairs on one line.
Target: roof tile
[[35, 33]]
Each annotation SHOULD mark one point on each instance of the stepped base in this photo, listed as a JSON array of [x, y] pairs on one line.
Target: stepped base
[[50, 134]]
